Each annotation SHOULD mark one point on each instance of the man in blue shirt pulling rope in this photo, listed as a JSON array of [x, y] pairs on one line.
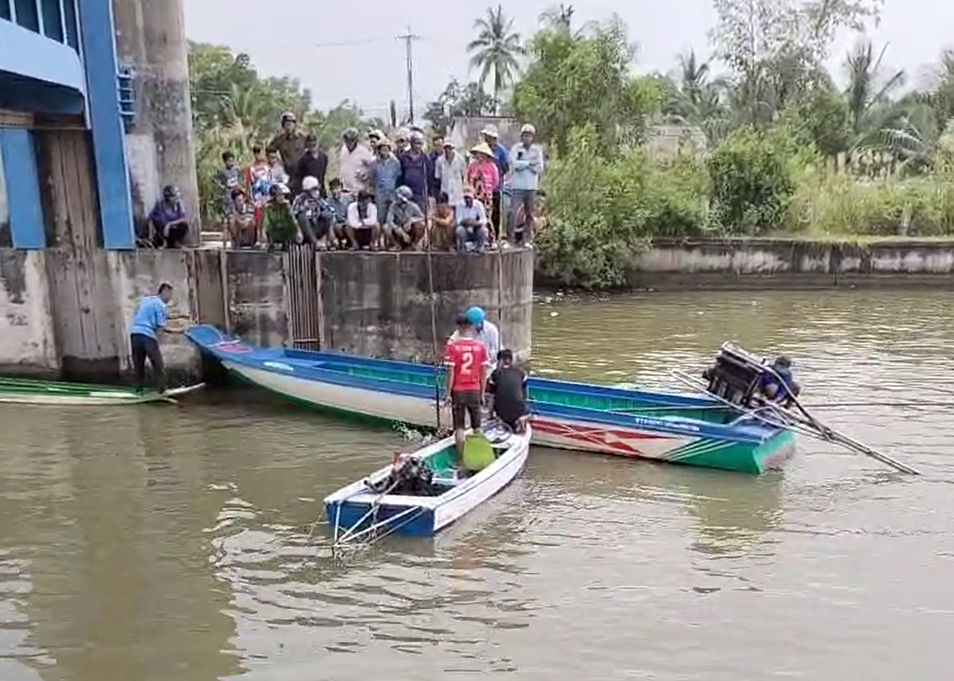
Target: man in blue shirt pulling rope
[[151, 317]]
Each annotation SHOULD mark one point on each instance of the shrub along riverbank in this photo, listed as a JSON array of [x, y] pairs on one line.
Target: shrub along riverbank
[[604, 211]]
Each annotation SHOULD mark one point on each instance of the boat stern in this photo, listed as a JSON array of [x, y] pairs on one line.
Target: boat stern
[[354, 516]]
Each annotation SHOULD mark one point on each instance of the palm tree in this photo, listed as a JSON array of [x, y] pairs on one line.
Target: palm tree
[[870, 105], [559, 17], [496, 50]]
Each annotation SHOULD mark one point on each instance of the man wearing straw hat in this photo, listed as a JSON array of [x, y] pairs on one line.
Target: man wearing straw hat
[[482, 174]]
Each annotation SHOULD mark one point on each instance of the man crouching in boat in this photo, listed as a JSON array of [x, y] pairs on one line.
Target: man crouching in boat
[[779, 384], [507, 389], [151, 317], [467, 361]]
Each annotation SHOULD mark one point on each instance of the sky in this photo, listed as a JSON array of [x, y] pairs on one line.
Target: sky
[[349, 50]]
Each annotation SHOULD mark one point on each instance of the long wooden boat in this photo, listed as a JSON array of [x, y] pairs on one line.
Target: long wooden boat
[[695, 430], [360, 511], [62, 393]]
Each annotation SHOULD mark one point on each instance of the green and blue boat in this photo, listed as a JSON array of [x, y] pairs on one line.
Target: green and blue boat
[[695, 430]]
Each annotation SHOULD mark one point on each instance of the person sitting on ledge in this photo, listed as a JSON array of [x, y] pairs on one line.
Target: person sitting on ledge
[[339, 209], [442, 224], [405, 225], [313, 215], [240, 225], [362, 228], [278, 223], [471, 229], [168, 221]]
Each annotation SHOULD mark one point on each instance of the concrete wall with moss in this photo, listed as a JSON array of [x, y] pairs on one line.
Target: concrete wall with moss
[[792, 263]]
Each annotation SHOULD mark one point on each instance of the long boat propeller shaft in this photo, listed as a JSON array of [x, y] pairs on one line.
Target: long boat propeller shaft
[[806, 424]]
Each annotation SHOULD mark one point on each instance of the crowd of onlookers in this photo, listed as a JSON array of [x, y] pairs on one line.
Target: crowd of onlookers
[[390, 193]]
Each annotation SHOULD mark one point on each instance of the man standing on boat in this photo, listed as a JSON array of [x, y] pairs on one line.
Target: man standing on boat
[[485, 331], [151, 318], [467, 360]]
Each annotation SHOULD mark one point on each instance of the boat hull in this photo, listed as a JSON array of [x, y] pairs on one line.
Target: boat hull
[[353, 509], [549, 431], [63, 394]]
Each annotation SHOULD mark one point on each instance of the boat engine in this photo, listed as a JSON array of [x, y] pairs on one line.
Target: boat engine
[[736, 375], [409, 476]]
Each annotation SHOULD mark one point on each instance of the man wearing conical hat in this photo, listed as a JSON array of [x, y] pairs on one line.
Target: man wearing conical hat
[[482, 173]]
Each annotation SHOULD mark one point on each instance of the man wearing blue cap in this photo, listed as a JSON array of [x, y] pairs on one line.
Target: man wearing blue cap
[[487, 333]]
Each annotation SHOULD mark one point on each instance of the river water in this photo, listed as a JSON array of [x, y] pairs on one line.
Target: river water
[[172, 544]]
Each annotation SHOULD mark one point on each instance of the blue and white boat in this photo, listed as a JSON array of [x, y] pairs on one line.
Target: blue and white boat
[[695, 430], [359, 510]]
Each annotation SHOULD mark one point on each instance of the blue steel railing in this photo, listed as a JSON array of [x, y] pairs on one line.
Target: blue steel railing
[[55, 19]]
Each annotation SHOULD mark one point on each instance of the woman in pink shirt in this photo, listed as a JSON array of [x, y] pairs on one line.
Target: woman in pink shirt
[[483, 175]]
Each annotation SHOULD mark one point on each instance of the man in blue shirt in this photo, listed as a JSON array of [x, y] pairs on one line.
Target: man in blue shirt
[[151, 317], [779, 384]]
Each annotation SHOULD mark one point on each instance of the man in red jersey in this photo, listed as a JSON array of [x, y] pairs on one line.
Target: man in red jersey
[[467, 361]]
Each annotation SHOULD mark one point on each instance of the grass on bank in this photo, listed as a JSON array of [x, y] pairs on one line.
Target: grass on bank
[[603, 211]]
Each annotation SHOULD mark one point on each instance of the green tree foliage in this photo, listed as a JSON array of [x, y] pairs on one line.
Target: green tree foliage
[[495, 51], [751, 184], [235, 108], [576, 80], [458, 101], [602, 211]]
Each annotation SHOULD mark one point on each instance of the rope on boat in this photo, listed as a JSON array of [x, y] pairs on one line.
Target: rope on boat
[[372, 529], [809, 426], [372, 513], [436, 348]]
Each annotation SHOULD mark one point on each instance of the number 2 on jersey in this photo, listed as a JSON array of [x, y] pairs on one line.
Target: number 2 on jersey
[[466, 361]]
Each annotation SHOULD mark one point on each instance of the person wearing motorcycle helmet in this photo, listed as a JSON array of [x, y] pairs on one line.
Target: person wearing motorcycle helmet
[[313, 215], [486, 332], [168, 221], [406, 224], [290, 142], [354, 163], [279, 223]]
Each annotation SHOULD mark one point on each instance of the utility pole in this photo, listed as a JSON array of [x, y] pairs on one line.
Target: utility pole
[[409, 39]]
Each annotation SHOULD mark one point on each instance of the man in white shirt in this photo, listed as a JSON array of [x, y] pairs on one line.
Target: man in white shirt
[[471, 223], [449, 169], [362, 227], [354, 164], [487, 333]]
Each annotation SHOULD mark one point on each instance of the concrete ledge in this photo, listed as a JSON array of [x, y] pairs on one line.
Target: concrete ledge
[[792, 263], [380, 304], [67, 312]]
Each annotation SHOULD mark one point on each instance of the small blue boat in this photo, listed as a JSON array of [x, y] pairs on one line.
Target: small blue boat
[[375, 506]]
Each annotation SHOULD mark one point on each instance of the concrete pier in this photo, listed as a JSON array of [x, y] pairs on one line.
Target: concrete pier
[[151, 41], [65, 312]]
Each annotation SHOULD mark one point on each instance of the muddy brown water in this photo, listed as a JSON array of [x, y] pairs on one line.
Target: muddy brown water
[[171, 544]]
